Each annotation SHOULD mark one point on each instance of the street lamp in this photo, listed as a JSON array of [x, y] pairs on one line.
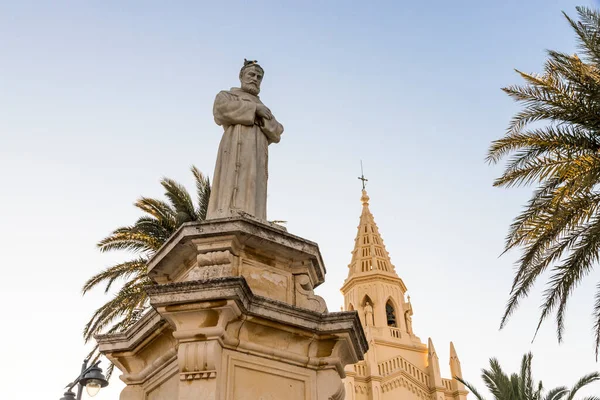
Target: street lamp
[[91, 377]]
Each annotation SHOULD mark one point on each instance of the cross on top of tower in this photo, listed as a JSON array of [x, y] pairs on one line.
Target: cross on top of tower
[[362, 177]]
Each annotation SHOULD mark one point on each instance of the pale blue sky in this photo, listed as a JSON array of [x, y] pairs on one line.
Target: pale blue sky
[[99, 100]]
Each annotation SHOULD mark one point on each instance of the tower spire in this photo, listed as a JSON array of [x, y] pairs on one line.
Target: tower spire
[[369, 255]]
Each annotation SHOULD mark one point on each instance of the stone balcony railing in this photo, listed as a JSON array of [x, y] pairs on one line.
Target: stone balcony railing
[[395, 333], [360, 369], [397, 364], [447, 384]]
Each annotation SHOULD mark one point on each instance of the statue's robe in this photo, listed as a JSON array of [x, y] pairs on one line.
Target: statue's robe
[[241, 172]]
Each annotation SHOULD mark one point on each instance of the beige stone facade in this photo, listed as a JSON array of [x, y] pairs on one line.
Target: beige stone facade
[[398, 365]]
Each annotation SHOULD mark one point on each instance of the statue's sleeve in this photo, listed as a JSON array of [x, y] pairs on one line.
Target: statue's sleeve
[[272, 129], [231, 110]]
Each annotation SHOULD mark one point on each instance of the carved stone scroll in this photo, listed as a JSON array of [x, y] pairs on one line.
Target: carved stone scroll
[[305, 296]]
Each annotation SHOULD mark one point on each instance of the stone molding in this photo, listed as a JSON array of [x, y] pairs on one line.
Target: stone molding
[[149, 325], [249, 232], [250, 305]]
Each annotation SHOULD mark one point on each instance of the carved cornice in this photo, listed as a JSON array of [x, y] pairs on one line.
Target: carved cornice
[[416, 347], [236, 288], [150, 325], [371, 277], [249, 232]]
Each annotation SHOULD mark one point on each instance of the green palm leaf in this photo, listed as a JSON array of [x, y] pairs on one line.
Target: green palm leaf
[[181, 201], [143, 238], [559, 228], [522, 386], [118, 271], [202, 192], [583, 382]]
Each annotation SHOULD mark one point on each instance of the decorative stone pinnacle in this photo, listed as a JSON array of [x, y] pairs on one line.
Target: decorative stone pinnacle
[[453, 351], [430, 348]]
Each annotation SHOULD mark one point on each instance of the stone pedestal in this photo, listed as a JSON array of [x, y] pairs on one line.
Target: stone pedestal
[[235, 318]]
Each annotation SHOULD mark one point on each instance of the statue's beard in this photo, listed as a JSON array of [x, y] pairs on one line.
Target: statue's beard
[[250, 88]]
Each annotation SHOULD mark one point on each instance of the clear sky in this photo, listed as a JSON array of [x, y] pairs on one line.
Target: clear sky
[[99, 100]]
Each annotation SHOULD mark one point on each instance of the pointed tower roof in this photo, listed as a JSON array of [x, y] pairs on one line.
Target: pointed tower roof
[[455, 368], [369, 255], [453, 351], [430, 349], [434, 365]]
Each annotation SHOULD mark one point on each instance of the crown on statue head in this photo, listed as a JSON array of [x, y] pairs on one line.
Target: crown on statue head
[[251, 63]]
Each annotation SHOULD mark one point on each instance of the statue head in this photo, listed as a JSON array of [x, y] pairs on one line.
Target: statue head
[[251, 76]]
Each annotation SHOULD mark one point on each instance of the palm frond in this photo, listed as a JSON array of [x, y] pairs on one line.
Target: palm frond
[[118, 271], [472, 388], [522, 386], [588, 32], [129, 298], [557, 393], [159, 210], [129, 238], [553, 143], [180, 199], [202, 192], [596, 316], [583, 382], [529, 272], [144, 238], [567, 275]]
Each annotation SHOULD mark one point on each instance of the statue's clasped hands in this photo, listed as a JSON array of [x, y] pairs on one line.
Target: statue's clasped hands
[[263, 111]]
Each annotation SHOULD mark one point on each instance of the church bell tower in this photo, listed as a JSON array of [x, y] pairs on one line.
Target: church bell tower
[[373, 288], [398, 365]]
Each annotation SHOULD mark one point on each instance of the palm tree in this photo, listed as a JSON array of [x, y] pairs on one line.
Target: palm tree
[[521, 386], [143, 238], [559, 228]]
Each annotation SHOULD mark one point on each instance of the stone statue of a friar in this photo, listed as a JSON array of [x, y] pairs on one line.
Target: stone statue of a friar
[[241, 172]]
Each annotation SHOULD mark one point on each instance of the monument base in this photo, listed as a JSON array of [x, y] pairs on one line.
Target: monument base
[[217, 339]]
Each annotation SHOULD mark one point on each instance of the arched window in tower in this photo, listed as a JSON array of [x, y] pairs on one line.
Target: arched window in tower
[[390, 314]]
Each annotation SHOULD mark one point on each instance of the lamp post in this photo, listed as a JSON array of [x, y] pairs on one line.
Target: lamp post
[[91, 377]]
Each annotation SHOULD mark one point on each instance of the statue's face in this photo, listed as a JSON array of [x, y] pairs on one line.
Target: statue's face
[[251, 79]]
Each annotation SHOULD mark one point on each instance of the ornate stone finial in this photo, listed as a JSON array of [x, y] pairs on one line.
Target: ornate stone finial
[[455, 368], [453, 351], [364, 198], [430, 349]]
